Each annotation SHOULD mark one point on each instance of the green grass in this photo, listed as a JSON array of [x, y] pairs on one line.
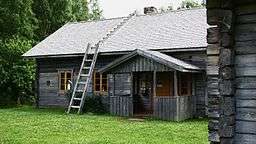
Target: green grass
[[27, 125]]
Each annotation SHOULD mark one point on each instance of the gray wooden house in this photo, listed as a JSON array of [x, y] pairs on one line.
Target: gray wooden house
[[152, 64]]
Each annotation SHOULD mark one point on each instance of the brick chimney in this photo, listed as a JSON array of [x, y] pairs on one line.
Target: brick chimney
[[150, 10]]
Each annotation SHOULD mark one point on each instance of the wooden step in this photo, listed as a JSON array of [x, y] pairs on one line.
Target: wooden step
[[88, 60], [82, 83], [84, 75], [86, 67], [76, 107], [77, 98], [79, 90]]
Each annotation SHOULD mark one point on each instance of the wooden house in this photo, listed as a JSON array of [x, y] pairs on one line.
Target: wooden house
[[152, 64]]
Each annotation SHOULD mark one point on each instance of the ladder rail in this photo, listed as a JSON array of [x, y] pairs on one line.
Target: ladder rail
[[88, 78], [78, 78]]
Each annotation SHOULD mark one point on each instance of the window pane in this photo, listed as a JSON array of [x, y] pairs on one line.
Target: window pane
[[62, 75], [97, 88], [104, 81], [68, 75]]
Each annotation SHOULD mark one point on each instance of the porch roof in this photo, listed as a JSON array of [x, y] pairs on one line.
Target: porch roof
[[156, 56]]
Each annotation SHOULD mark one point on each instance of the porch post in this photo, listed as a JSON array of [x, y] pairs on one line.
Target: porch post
[[175, 84], [154, 83]]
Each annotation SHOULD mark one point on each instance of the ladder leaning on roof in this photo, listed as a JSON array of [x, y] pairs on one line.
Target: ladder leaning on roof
[[86, 71], [83, 79]]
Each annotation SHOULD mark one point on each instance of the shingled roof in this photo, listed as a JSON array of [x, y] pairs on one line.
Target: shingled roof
[[184, 29]]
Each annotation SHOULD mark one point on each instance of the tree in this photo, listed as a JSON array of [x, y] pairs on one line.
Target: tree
[[188, 4], [17, 18], [52, 14], [95, 11], [16, 75]]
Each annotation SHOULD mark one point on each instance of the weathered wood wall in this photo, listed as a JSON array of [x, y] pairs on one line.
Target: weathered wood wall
[[121, 102], [175, 108], [121, 105], [200, 94], [245, 69], [48, 71], [231, 87]]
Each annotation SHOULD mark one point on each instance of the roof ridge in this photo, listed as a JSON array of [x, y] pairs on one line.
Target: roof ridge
[[88, 21], [173, 11], [114, 29]]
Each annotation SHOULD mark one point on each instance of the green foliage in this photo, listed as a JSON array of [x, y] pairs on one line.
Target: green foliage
[[169, 8], [17, 18], [95, 11], [16, 74], [188, 4], [51, 126], [52, 14], [92, 103]]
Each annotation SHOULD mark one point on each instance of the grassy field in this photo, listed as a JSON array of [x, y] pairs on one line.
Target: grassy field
[[27, 125]]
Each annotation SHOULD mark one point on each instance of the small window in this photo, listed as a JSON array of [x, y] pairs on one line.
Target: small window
[[64, 78], [185, 84], [100, 82]]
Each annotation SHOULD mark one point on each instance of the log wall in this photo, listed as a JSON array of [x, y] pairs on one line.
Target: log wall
[[231, 71]]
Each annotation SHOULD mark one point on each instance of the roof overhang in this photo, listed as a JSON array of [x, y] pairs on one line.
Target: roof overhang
[[171, 50], [161, 58]]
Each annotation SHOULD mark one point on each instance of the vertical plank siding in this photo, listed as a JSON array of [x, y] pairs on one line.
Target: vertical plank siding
[[121, 105], [200, 94], [175, 108]]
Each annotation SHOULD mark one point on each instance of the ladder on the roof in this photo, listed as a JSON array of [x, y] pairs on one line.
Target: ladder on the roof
[[83, 79], [86, 71]]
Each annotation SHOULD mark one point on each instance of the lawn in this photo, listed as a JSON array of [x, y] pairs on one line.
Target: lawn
[[27, 125]]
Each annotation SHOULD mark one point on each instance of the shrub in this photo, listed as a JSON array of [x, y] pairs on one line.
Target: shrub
[[92, 103], [16, 74]]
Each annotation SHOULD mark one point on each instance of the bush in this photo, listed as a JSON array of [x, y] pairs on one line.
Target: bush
[[16, 74], [92, 103]]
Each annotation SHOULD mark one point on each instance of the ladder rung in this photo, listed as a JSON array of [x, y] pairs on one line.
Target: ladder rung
[[84, 75], [83, 83], [86, 67], [77, 98], [77, 107], [88, 60], [79, 91]]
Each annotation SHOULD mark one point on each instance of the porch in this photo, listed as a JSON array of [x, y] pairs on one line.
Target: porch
[[142, 84]]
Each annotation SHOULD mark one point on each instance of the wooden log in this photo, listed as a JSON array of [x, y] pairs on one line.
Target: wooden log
[[226, 87], [213, 125], [212, 60], [214, 136], [213, 35], [220, 16], [228, 106], [227, 131], [226, 40], [245, 138], [226, 57], [227, 73], [246, 114], [213, 49], [212, 70], [246, 127]]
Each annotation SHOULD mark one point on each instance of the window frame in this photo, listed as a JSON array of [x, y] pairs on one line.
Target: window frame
[[65, 71], [100, 91]]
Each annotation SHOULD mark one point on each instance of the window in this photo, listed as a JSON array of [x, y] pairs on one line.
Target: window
[[185, 84], [64, 77], [100, 82]]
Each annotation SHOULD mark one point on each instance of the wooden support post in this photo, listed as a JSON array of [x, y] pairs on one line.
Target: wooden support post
[[154, 83], [175, 84]]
